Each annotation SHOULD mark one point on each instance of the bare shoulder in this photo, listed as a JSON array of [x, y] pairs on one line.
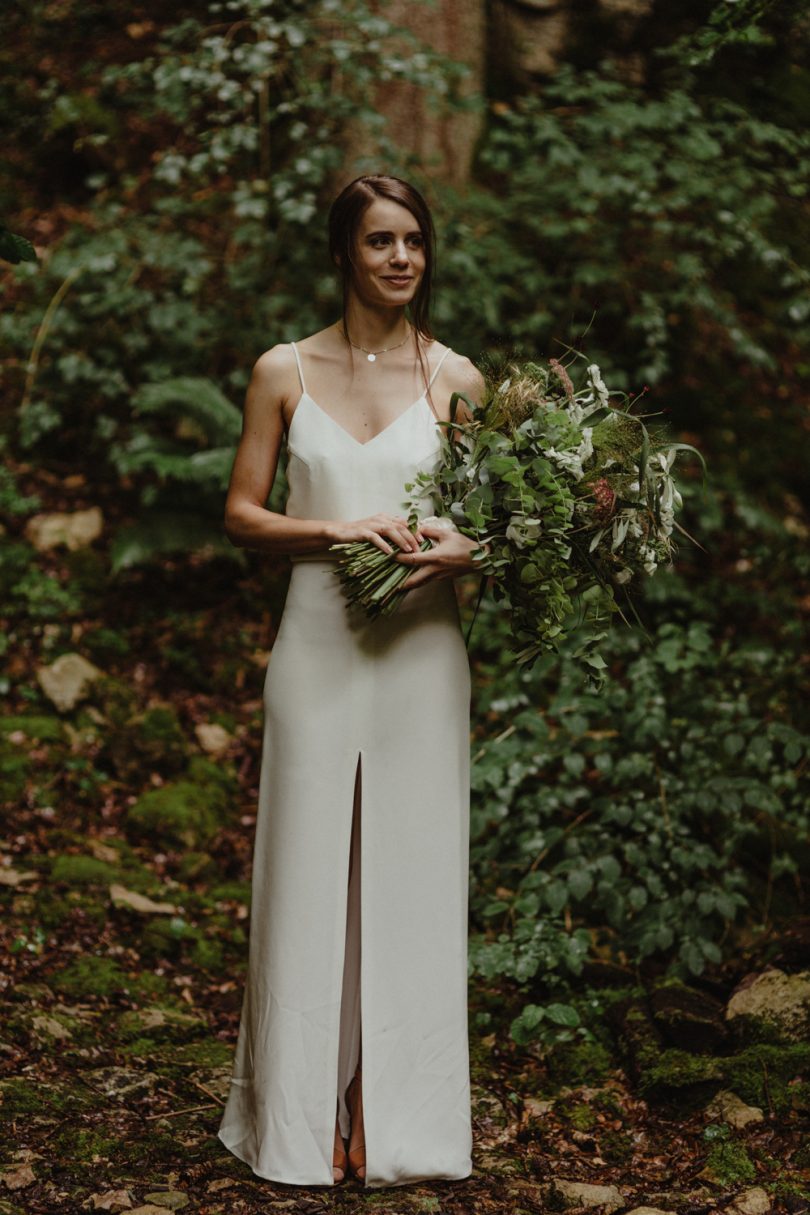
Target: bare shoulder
[[465, 376], [274, 384], [277, 361]]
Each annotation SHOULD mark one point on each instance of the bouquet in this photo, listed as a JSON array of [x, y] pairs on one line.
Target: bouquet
[[568, 497]]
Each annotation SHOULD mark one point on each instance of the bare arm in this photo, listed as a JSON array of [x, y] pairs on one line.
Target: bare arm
[[248, 523]]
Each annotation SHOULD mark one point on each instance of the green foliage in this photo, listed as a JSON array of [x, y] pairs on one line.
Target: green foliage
[[30, 592], [672, 218], [648, 819], [251, 100]]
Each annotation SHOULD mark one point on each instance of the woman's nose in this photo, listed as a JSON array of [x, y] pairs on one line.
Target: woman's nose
[[399, 255]]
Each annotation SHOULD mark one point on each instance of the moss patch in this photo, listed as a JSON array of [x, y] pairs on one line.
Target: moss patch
[[729, 1163], [82, 871], [182, 812], [159, 1025], [579, 1062], [90, 976], [39, 728], [762, 1074]]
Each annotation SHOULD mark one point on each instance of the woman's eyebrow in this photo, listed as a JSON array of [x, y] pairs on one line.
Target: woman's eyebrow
[[414, 232]]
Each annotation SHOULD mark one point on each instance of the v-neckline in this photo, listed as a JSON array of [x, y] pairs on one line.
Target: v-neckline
[[343, 430]]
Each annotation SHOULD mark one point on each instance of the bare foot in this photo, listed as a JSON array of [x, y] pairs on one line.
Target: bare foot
[[357, 1145], [339, 1156]]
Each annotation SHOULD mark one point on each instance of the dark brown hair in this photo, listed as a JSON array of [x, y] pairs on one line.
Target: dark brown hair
[[345, 215]]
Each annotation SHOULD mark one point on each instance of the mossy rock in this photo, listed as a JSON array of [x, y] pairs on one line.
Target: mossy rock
[[82, 871], [158, 1025], [181, 813], [39, 728], [688, 1018], [579, 1062], [675, 1075], [763, 1074], [48, 1027], [729, 1164]]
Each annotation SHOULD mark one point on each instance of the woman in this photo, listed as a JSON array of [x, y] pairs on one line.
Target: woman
[[358, 939]]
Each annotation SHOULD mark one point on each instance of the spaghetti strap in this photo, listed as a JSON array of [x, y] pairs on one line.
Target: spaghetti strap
[[298, 361], [437, 368]]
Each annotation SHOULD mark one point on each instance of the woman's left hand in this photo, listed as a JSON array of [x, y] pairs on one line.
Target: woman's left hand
[[450, 556]]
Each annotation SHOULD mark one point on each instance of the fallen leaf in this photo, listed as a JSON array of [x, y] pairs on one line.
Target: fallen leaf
[[19, 1178], [112, 1200]]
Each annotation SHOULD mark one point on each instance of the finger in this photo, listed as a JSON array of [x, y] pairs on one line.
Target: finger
[[404, 538], [379, 542]]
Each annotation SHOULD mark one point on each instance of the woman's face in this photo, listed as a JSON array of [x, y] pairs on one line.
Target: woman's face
[[389, 255]]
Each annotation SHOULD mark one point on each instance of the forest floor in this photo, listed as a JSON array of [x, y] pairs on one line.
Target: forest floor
[[125, 853]]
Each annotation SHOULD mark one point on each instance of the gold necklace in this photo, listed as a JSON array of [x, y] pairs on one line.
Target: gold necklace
[[372, 354]]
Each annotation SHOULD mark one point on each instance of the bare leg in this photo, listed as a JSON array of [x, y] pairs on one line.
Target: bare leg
[[357, 1156], [339, 1157]]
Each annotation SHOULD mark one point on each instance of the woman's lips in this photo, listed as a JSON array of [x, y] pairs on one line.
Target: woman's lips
[[398, 282]]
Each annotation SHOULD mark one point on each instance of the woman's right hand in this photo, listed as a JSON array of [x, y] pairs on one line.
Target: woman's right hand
[[378, 530]]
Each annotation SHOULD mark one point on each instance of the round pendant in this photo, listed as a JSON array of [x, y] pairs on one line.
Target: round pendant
[[372, 358]]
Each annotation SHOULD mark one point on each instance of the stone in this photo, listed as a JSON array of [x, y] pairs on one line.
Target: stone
[[168, 1200], [751, 1202], [121, 897], [730, 1108], [75, 530], [581, 1194], [771, 1006], [649, 1211], [14, 877], [687, 1018], [67, 680], [121, 1082], [213, 738], [50, 1027]]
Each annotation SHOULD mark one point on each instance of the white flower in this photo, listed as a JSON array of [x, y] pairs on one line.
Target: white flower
[[595, 377]]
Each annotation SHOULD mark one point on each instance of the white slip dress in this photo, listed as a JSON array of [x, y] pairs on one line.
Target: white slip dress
[[365, 747]]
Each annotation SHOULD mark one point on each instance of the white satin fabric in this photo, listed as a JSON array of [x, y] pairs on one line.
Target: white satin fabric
[[387, 955]]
